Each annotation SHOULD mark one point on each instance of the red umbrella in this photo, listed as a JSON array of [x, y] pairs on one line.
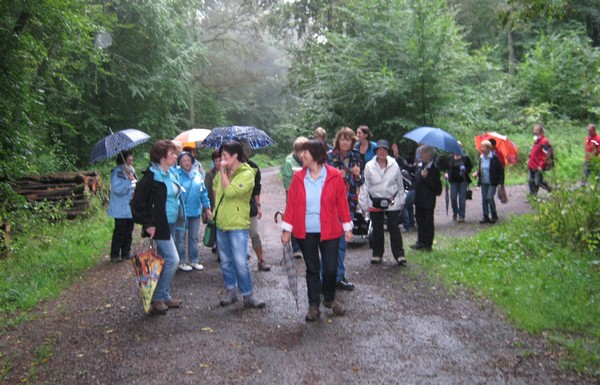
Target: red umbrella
[[503, 145]]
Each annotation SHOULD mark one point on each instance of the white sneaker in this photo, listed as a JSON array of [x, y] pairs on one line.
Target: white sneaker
[[185, 267], [197, 266]]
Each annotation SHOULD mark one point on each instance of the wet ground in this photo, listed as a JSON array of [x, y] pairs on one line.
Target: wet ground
[[400, 328]]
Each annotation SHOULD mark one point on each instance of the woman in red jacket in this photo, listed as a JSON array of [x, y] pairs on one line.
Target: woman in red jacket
[[317, 214]]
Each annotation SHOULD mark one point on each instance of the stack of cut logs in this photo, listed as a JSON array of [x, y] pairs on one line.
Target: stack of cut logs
[[75, 187]]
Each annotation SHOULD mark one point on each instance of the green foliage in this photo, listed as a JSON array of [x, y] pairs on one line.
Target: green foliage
[[541, 285], [49, 257], [562, 71], [570, 215]]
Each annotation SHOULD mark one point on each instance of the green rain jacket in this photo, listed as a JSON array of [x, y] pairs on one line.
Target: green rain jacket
[[233, 212]]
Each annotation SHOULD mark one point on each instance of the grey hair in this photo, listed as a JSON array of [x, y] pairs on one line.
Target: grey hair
[[429, 149]]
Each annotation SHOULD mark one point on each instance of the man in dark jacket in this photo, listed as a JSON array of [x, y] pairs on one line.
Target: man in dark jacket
[[427, 187]]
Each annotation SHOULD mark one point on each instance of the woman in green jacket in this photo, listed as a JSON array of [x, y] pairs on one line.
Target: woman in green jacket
[[233, 188]]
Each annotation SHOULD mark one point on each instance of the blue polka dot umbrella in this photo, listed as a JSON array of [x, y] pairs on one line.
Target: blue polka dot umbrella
[[253, 136], [116, 142]]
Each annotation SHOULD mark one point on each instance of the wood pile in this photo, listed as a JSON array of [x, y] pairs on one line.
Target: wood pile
[[73, 187]]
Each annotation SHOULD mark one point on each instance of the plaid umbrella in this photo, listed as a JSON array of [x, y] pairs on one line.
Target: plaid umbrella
[[253, 136], [148, 266], [290, 267], [116, 142]]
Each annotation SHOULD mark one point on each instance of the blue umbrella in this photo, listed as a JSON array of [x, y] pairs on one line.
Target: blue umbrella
[[253, 136], [116, 142], [435, 137]]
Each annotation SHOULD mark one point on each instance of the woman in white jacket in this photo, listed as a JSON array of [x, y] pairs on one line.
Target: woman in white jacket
[[383, 193]]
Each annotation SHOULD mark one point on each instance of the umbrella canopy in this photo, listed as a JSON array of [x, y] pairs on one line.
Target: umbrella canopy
[[290, 268], [148, 266], [116, 142], [190, 138], [435, 137], [253, 136], [507, 148]]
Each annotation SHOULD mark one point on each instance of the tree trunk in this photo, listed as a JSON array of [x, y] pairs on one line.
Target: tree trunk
[[511, 51]]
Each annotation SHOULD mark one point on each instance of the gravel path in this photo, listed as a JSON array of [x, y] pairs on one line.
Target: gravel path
[[400, 327]]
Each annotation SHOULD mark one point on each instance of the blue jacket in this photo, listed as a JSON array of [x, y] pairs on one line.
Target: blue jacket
[[195, 194], [369, 154], [121, 192]]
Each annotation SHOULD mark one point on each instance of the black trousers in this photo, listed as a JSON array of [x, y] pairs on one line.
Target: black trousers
[[122, 238], [310, 246], [425, 227], [378, 237]]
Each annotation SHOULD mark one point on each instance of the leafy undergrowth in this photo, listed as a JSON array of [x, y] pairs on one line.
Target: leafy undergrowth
[[48, 260], [541, 286]]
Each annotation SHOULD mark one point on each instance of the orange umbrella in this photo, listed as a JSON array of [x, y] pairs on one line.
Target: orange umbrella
[[503, 145], [189, 138]]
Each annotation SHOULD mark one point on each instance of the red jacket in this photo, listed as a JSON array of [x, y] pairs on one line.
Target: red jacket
[[592, 144], [335, 214], [537, 157]]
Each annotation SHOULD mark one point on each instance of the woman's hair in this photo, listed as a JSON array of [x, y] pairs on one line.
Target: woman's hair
[[185, 153], [487, 144], [316, 150], [123, 155], [344, 132], [160, 149], [365, 131], [299, 142], [430, 150], [234, 147], [215, 154], [320, 132]]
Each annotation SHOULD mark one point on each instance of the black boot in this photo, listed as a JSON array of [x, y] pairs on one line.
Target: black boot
[[485, 219]]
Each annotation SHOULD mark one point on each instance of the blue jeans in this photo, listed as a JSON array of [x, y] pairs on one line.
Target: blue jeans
[[487, 199], [233, 252], [458, 197], [192, 227], [341, 267], [408, 213], [167, 250]]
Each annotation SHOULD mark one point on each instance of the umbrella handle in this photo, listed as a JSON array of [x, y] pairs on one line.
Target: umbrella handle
[[276, 214]]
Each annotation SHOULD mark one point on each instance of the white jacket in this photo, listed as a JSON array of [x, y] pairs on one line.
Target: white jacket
[[382, 183]]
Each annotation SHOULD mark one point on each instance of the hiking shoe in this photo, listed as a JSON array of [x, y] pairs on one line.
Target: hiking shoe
[[313, 314], [197, 266], [461, 220], [494, 218], [376, 260], [185, 267], [173, 303], [401, 260], [344, 285], [338, 308], [252, 303], [159, 307], [116, 260], [298, 254], [230, 297], [485, 220], [262, 266]]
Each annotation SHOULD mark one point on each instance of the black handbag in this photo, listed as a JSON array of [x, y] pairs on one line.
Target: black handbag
[[210, 232], [382, 203]]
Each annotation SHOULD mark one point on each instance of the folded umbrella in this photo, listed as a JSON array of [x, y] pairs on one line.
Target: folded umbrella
[[148, 265], [290, 268], [116, 142]]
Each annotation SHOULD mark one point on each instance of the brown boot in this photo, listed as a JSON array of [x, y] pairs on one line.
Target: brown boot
[[262, 266], [338, 308], [313, 314], [159, 307], [173, 303]]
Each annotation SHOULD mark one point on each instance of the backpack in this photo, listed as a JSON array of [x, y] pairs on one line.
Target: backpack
[[550, 161]]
